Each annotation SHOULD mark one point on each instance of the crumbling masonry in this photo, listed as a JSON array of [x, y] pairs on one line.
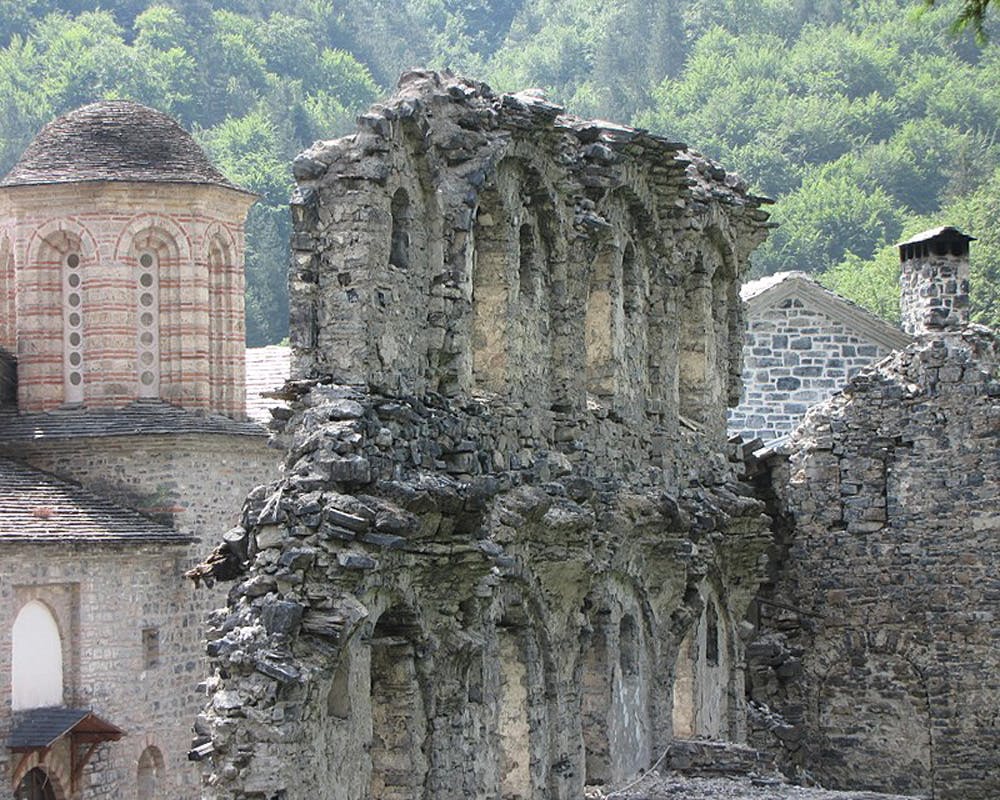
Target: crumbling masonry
[[508, 557]]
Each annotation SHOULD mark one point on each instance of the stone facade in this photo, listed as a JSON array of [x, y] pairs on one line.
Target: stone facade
[[803, 343], [881, 652], [508, 556]]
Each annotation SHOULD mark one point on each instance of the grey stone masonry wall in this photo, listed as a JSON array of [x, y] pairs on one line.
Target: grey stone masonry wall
[[800, 349], [880, 666], [506, 520]]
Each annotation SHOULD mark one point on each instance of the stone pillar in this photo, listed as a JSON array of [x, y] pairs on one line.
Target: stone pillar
[[934, 280]]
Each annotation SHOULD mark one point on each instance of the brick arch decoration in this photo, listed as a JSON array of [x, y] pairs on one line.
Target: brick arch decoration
[[224, 278], [8, 294], [56, 767]]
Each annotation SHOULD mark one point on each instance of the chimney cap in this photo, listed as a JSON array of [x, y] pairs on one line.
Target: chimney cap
[[946, 232]]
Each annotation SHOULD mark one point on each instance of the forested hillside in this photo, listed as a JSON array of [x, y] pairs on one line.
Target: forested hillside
[[864, 122]]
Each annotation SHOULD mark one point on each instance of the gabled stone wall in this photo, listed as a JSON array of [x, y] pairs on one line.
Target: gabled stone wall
[[507, 522]]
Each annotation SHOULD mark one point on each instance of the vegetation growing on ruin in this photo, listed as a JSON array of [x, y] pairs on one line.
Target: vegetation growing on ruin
[[866, 121]]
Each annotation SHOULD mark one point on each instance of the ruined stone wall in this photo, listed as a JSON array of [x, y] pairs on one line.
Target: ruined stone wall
[[881, 651], [506, 521], [466, 243]]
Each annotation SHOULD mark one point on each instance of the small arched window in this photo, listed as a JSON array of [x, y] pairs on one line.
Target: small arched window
[[149, 774], [36, 659], [72, 277], [399, 249], [148, 328]]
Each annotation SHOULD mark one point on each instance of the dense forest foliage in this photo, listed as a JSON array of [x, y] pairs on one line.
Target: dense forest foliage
[[865, 119]]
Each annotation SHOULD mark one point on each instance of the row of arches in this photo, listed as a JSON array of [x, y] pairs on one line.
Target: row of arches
[[502, 695], [151, 319]]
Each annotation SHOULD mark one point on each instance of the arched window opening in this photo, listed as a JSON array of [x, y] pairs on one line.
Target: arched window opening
[[526, 267], [148, 316], [35, 785], [399, 721], [599, 327], [36, 659], [149, 774], [696, 342], [72, 276], [399, 249]]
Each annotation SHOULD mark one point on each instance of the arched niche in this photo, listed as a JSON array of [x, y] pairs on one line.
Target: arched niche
[[629, 721], [399, 718], [36, 658], [225, 332], [492, 240], [703, 675], [37, 784], [150, 775], [595, 682], [514, 713], [600, 327]]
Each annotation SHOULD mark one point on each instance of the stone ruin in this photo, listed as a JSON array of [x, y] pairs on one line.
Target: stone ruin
[[508, 556], [512, 554]]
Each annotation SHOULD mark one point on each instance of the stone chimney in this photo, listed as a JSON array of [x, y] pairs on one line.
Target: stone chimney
[[934, 280]]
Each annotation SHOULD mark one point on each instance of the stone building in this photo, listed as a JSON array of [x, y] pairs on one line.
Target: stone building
[[883, 652], [122, 439], [803, 343], [508, 556]]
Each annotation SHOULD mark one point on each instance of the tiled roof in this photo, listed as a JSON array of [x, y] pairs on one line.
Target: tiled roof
[[114, 140], [144, 417], [267, 368], [42, 727], [38, 507]]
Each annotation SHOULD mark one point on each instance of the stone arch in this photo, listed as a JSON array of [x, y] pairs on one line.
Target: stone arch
[[399, 764], [36, 658], [702, 691], [150, 774], [710, 337], [61, 254], [615, 675], [871, 703], [38, 783], [156, 248]]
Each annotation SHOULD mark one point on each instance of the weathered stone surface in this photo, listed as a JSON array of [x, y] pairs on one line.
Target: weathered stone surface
[[881, 665], [529, 573]]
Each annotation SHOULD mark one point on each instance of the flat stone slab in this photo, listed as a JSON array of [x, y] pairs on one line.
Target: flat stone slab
[[672, 786]]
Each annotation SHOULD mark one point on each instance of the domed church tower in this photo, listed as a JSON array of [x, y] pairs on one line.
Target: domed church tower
[[121, 266]]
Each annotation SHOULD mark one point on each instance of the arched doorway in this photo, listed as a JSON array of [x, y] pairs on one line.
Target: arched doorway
[[35, 785]]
